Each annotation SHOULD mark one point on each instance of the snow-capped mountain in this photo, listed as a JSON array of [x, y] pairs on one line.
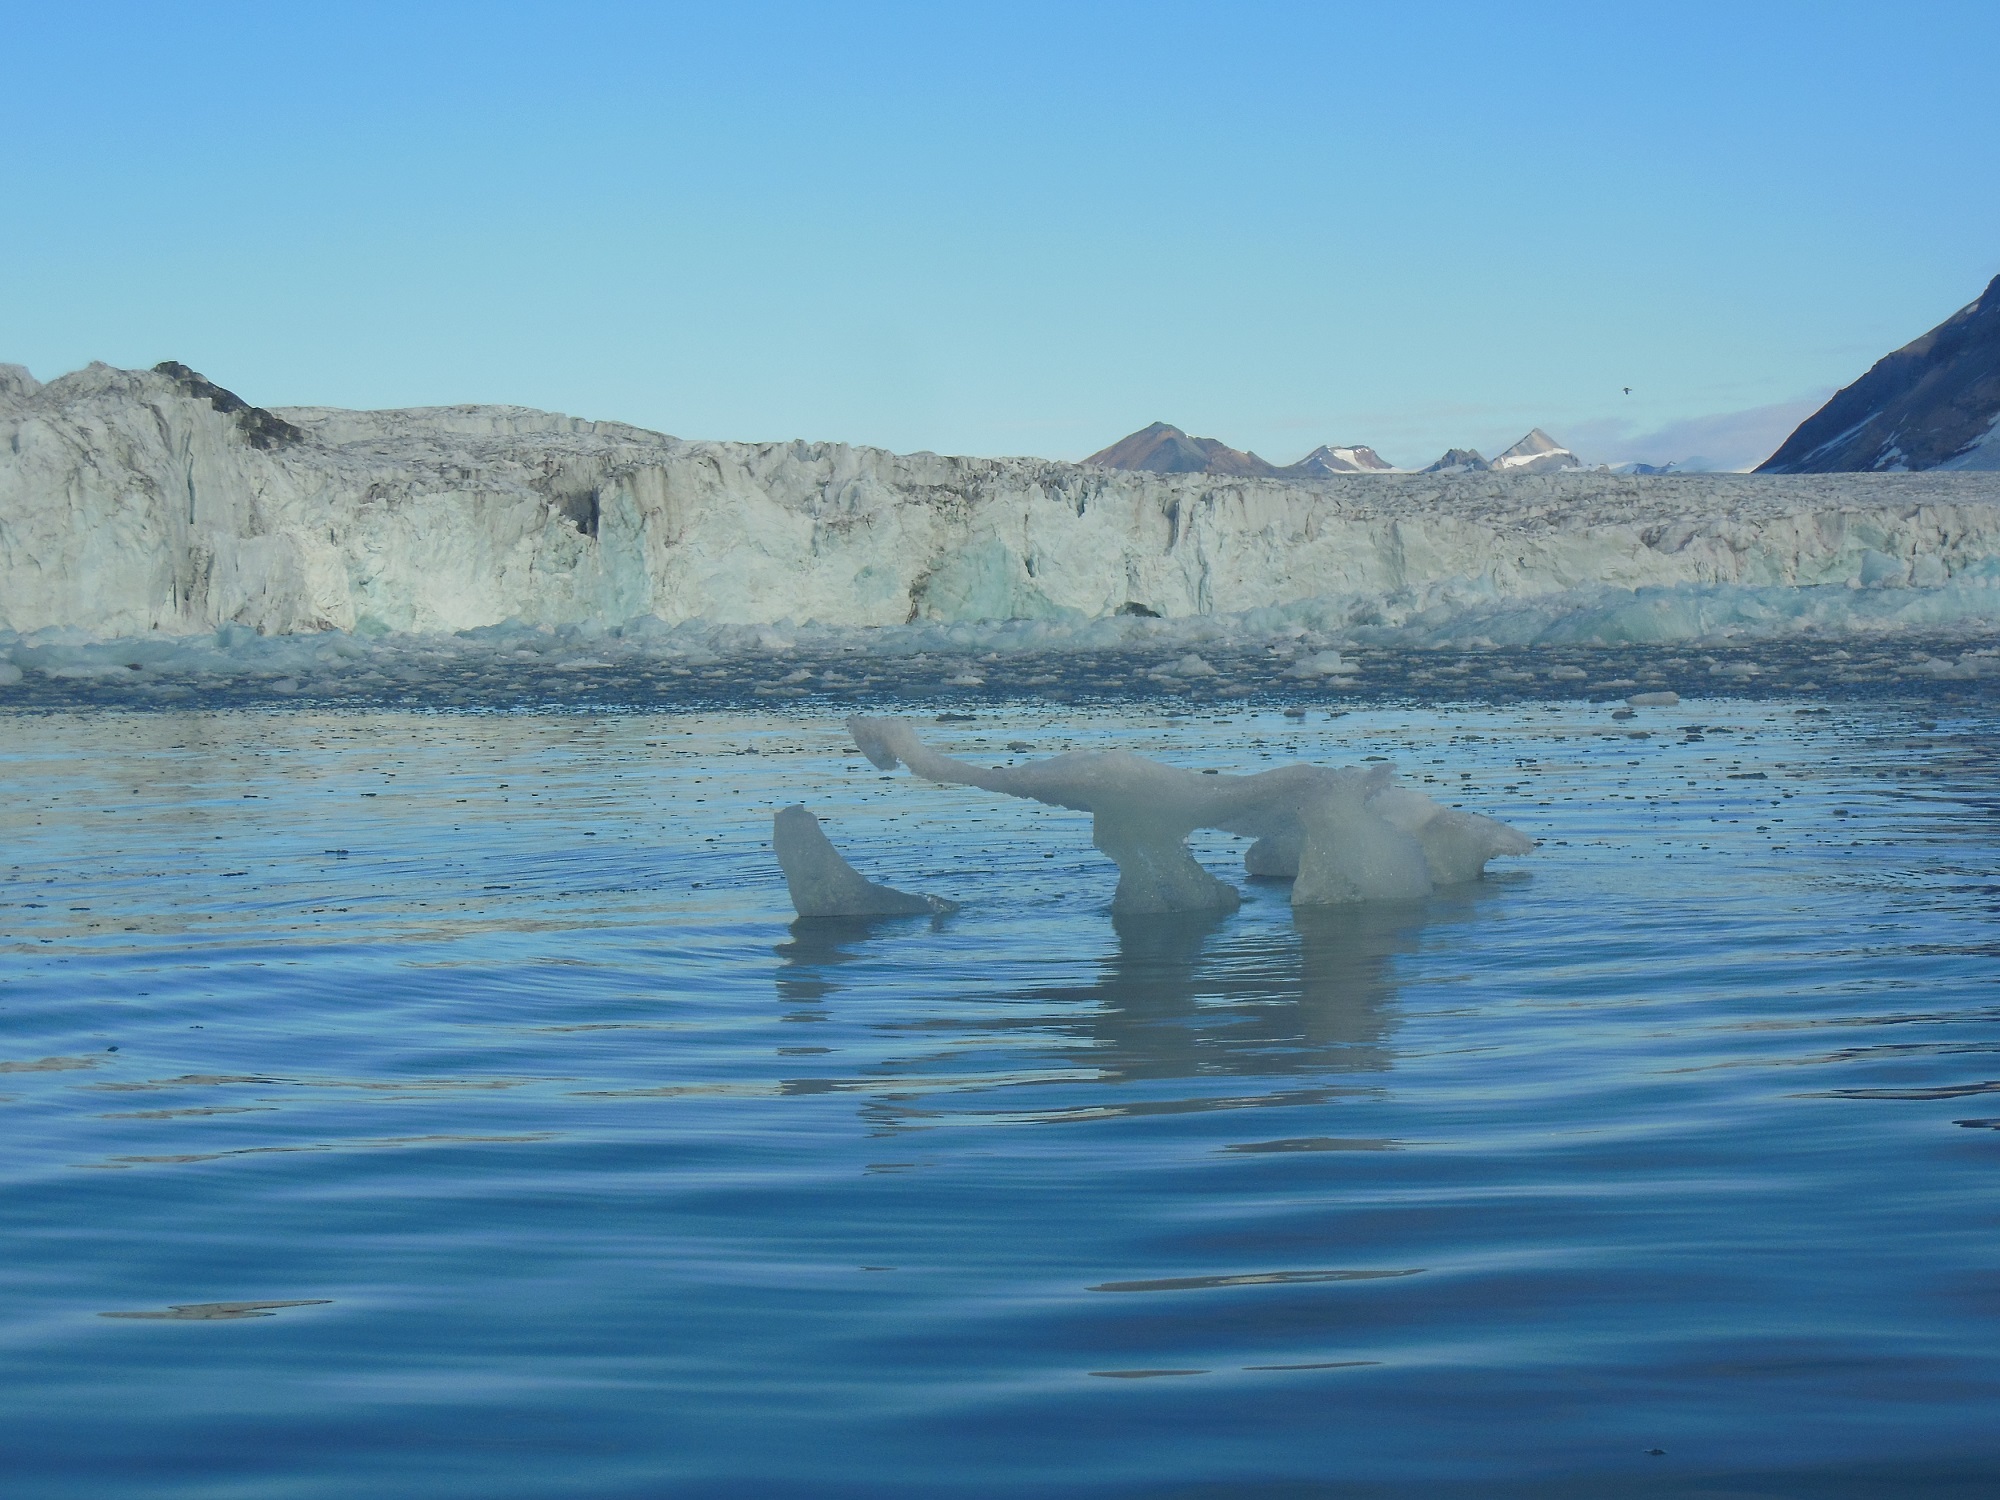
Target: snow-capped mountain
[[1537, 453], [1325, 460], [1458, 461], [1933, 404], [1165, 449]]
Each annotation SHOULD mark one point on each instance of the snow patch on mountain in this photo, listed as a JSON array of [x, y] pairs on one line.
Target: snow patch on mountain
[[1537, 453], [1932, 404]]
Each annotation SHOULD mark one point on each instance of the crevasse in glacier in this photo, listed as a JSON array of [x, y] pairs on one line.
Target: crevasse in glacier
[[1343, 835]]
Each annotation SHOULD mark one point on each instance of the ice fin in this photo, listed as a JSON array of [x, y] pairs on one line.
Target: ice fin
[[822, 884], [873, 736]]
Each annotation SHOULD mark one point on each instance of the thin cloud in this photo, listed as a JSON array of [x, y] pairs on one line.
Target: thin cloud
[[1729, 440]]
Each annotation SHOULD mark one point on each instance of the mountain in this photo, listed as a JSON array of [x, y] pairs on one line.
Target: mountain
[[1933, 404], [1459, 461], [1537, 453], [1325, 460], [1165, 449]]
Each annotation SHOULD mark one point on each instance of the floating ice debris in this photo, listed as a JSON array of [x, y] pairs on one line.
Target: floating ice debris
[[1322, 664], [213, 1312], [822, 884], [1340, 835], [1652, 700]]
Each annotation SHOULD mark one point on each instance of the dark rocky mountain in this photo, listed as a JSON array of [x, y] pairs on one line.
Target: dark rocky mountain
[[1165, 449], [1933, 404], [1458, 461], [1356, 458]]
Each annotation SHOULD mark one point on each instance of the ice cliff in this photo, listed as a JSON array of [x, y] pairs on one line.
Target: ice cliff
[[142, 501]]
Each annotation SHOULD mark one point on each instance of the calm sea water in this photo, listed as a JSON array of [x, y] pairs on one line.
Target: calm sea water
[[485, 1043]]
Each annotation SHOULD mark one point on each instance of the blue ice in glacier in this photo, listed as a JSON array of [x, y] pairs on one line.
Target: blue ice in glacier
[[1341, 834]]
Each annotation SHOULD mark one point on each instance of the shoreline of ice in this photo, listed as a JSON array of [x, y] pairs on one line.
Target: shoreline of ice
[[132, 510]]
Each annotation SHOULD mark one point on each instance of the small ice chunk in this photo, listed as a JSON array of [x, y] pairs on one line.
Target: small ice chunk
[[822, 884], [1652, 700], [1323, 664], [1192, 665]]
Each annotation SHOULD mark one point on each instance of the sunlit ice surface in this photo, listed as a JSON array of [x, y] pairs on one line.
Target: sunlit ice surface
[[446, 1103]]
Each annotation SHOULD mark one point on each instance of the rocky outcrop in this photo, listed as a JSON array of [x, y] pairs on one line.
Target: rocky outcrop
[[1933, 404]]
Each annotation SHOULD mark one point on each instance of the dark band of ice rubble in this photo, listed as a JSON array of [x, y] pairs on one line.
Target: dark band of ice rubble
[[1343, 835], [822, 884]]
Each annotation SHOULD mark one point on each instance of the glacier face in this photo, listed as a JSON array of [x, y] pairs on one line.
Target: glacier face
[[130, 503]]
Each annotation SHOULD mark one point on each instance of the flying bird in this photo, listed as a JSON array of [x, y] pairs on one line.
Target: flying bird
[[1628, 390]]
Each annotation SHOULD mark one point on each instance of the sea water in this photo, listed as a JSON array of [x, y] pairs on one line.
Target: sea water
[[446, 1103]]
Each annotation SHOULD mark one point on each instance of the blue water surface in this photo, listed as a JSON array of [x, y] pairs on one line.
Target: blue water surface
[[1665, 1161]]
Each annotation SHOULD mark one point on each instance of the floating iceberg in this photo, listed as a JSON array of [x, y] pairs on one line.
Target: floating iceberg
[[1341, 835], [822, 884]]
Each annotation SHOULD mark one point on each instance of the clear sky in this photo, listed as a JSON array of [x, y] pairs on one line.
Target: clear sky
[[1009, 228]]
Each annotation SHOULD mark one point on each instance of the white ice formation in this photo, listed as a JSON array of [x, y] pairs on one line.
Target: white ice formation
[[137, 502], [822, 884], [1341, 835]]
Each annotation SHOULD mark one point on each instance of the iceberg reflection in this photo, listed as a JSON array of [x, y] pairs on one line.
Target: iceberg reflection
[[1203, 997]]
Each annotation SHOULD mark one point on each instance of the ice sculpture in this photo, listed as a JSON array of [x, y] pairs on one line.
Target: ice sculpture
[[1343, 835], [822, 884]]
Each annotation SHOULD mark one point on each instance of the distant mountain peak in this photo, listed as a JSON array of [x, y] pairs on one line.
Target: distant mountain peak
[[1326, 459], [1932, 404], [1164, 449], [1537, 453], [1458, 461]]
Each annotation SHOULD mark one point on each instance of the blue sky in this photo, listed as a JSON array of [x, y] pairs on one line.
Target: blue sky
[[1014, 228]]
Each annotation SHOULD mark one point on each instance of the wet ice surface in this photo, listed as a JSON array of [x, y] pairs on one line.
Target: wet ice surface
[[479, 1124]]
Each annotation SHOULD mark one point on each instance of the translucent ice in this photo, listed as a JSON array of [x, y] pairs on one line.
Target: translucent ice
[[1342, 835], [822, 884]]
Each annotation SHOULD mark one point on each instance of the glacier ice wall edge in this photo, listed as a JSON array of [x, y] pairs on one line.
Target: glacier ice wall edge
[[127, 507]]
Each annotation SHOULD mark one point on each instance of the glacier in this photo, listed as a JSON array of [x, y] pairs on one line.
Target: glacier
[[152, 506]]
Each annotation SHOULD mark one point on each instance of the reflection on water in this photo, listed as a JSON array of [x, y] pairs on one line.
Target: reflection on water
[[1174, 996], [1181, 996], [817, 944], [480, 1164]]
